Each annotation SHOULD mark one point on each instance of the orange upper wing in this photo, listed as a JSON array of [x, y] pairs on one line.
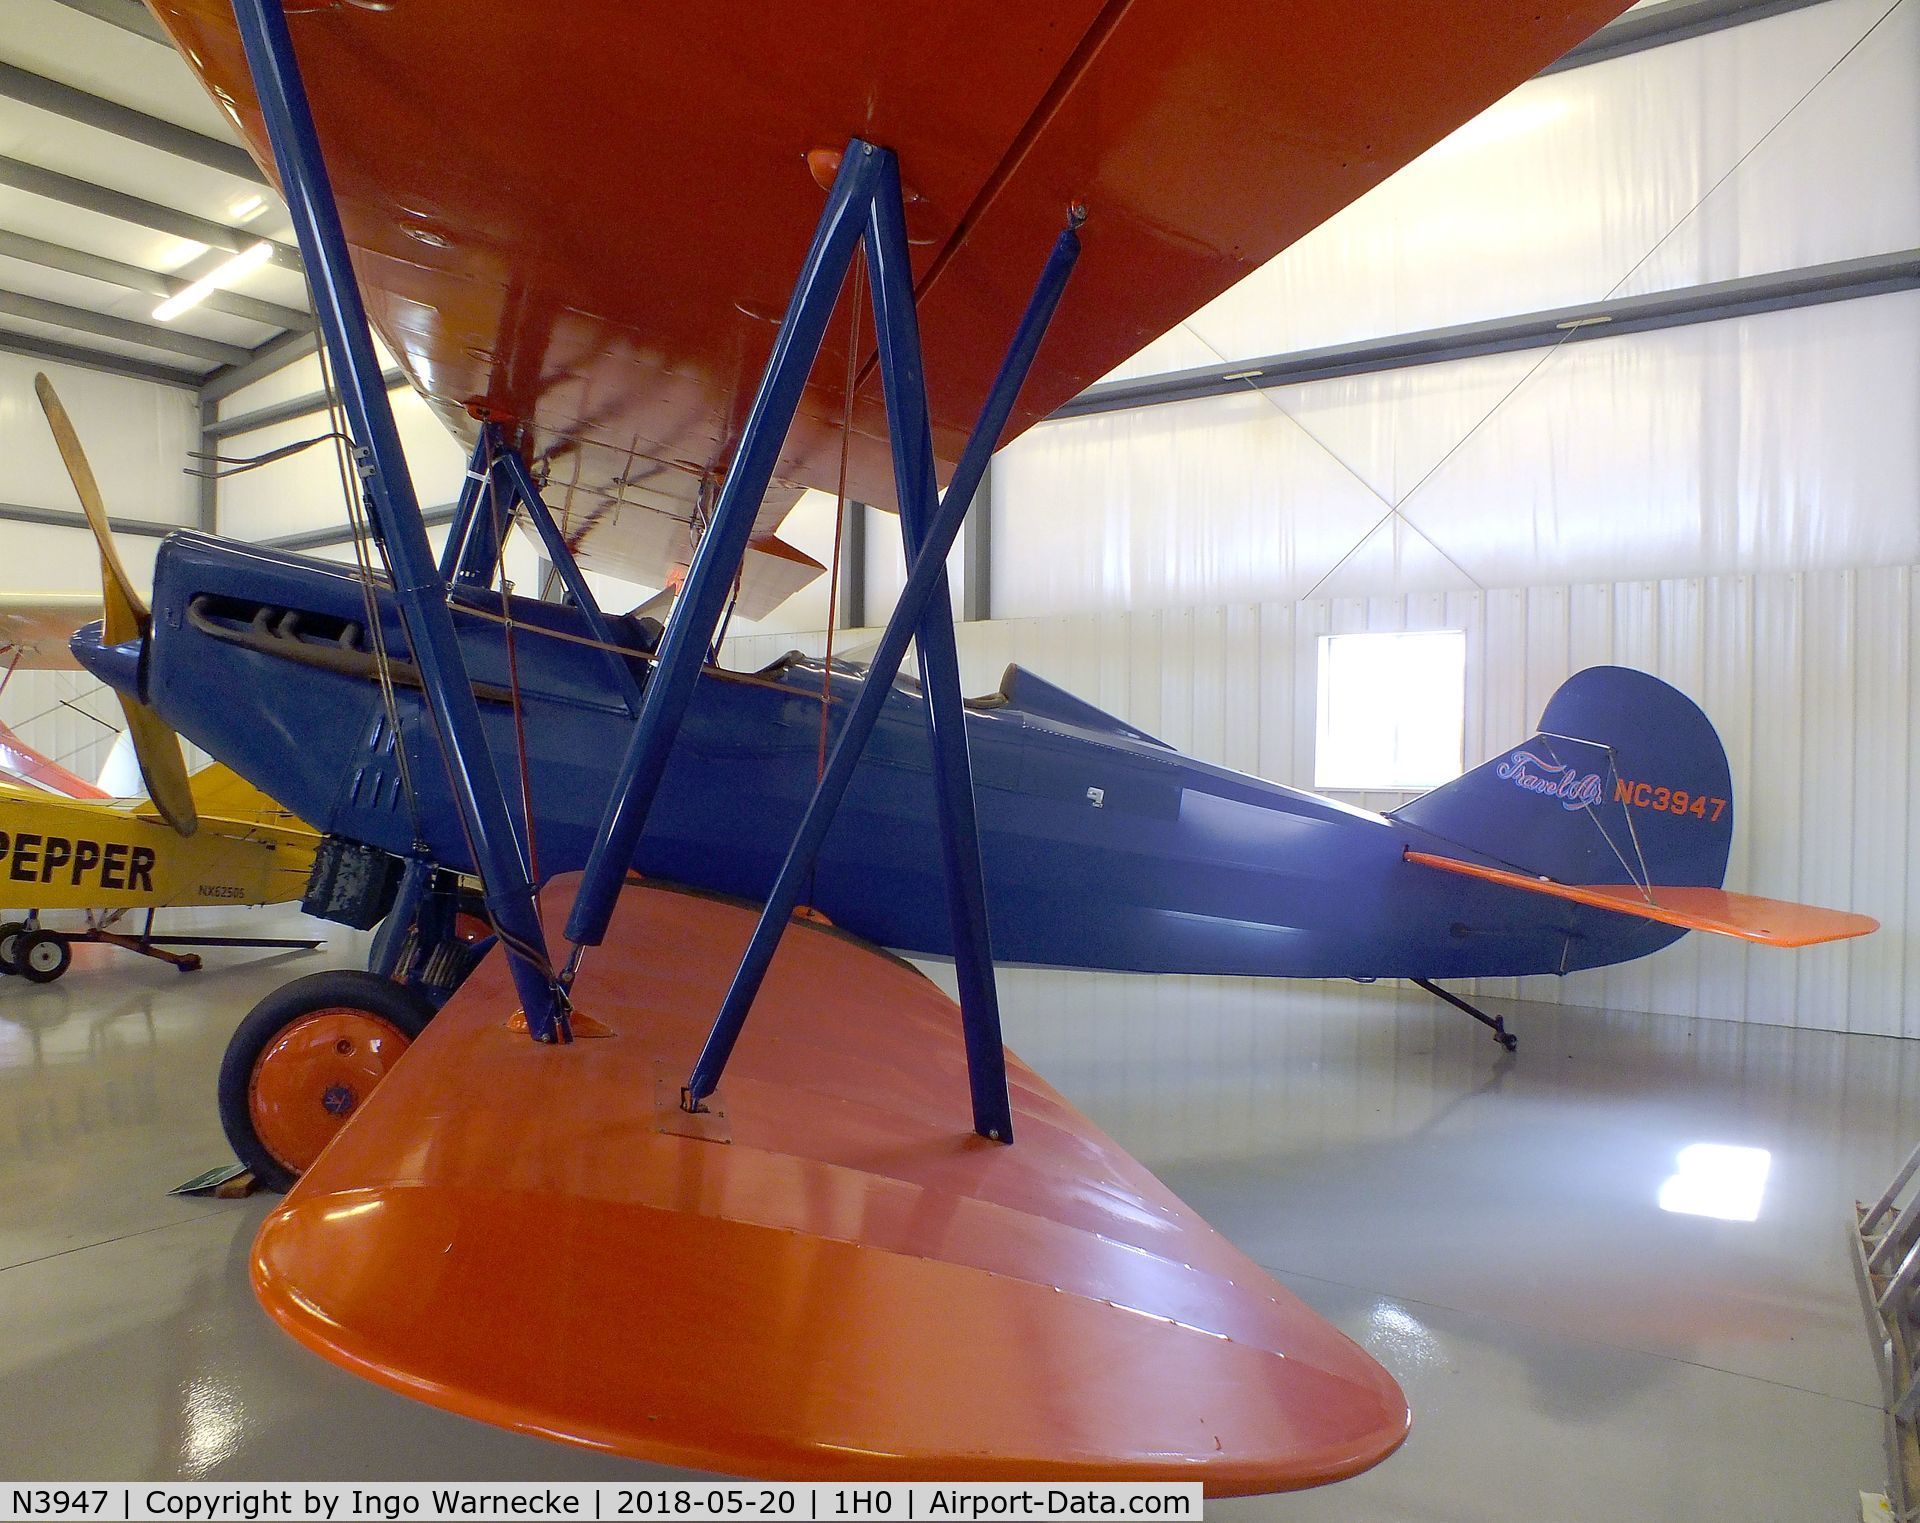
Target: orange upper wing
[[587, 217]]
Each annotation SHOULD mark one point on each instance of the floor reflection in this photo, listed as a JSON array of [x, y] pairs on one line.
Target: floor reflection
[[1504, 1232]]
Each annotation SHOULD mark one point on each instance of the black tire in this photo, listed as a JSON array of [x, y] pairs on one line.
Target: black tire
[[42, 956], [9, 931], [348, 988]]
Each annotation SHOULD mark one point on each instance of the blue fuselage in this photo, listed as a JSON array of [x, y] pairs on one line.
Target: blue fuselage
[[1102, 847]]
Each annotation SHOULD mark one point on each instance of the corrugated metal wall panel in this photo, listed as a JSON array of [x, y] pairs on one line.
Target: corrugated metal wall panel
[[1825, 737], [136, 436], [1909, 974], [1768, 824], [1881, 816]]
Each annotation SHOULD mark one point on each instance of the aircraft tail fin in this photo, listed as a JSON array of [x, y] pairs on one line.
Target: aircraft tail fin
[[1625, 782], [1621, 801]]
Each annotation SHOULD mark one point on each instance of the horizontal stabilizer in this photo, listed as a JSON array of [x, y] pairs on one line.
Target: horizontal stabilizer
[[1771, 922]]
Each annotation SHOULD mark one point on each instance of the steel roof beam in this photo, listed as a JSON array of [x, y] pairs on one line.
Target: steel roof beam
[[51, 95], [286, 412], [1674, 21], [128, 15], [82, 320], [87, 196], [32, 346], [69, 518], [1842, 281], [340, 534], [133, 277], [268, 359]]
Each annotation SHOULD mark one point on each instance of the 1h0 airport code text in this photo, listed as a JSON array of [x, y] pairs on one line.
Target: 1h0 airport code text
[[215, 1502]]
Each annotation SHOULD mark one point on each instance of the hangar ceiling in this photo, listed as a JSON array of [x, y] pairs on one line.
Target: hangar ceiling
[[121, 184]]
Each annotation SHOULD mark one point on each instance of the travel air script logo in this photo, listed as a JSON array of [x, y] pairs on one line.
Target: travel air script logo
[[1574, 790]]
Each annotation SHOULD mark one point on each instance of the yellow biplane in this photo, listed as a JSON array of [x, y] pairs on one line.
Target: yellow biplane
[[107, 857]]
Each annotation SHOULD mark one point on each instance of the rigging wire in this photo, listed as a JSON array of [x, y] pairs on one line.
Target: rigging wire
[[857, 278], [520, 741], [363, 564], [1644, 879]]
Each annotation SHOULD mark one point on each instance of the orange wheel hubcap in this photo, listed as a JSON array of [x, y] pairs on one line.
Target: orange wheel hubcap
[[313, 1075]]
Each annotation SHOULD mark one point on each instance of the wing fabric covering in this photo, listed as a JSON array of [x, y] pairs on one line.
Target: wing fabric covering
[[830, 1276], [605, 261], [35, 628], [21, 762]]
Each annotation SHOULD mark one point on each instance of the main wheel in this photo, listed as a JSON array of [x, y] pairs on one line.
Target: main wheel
[[10, 933], [41, 956], [304, 1060]]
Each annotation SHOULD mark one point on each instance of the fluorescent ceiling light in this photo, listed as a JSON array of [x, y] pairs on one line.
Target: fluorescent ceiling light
[[212, 281], [247, 208], [180, 251]]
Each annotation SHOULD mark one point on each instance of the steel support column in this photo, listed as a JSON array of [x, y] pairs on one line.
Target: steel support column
[[853, 568], [207, 502], [976, 554], [395, 511]]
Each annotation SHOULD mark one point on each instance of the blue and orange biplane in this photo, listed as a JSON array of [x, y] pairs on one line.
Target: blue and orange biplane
[[590, 1198]]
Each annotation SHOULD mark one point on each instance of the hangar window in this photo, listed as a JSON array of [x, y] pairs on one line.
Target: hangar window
[[1392, 712]]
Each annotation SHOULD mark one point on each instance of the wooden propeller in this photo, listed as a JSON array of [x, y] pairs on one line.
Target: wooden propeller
[[127, 618]]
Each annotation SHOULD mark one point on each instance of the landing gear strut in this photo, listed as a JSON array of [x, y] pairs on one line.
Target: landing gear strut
[[1492, 1022]]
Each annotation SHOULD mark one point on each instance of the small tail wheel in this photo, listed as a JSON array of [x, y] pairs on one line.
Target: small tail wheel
[[9, 934], [41, 956], [305, 1059]]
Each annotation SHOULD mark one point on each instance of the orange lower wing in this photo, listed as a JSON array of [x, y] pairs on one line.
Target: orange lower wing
[[1771, 922], [826, 1276]]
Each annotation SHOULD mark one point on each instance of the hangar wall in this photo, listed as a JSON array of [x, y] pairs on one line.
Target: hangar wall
[[1810, 678], [136, 435], [1768, 443], [1733, 505]]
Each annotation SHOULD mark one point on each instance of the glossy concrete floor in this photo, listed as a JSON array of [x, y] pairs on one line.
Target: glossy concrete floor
[[1491, 1227]]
